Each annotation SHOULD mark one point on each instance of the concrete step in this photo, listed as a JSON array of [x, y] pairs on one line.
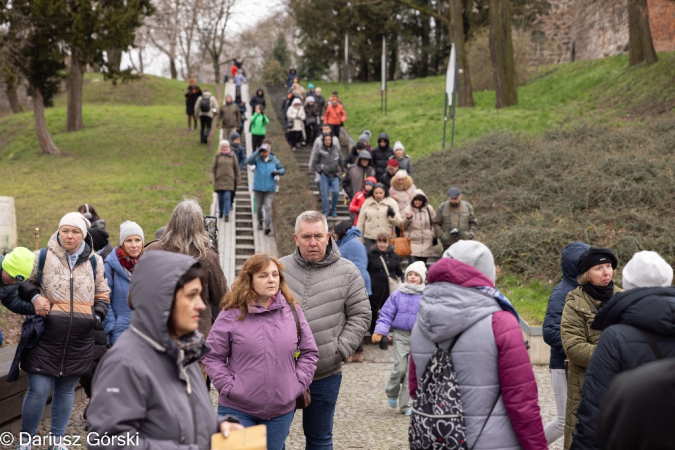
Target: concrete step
[[244, 232], [241, 248]]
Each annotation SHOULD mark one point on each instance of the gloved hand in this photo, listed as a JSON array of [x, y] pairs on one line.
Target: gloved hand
[[376, 338], [390, 211], [275, 173]]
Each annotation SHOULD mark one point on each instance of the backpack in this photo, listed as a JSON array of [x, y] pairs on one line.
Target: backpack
[[42, 257], [205, 104], [437, 419]]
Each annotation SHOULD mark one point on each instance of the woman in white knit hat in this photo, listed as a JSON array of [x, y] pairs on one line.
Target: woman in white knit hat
[[74, 293], [119, 266]]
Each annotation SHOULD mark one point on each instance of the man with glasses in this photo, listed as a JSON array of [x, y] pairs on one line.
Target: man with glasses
[[333, 297]]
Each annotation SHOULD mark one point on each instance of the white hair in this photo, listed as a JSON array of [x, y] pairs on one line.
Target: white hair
[[185, 232], [311, 217], [224, 143]]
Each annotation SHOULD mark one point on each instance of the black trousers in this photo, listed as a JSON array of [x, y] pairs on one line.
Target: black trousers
[[257, 141], [205, 129]]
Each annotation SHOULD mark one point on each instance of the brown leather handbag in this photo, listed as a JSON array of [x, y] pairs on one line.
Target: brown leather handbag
[[305, 398], [401, 244]]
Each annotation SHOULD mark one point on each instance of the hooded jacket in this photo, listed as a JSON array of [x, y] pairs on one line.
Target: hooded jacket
[[252, 363], [556, 302], [229, 115], [373, 218], [357, 174], [66, 347], [399, 312], [328, 161], [352, 249], [381, 156], [238, 149], [489, 358], [263, 180], [259, 124], [623, 346], [403, 188], [224, 171], [141, 385], [292, 76], [296, 116], [420, 227], [258, 99], [213, 104], [119, 314], [334, 299], [579, 341], [359, 199]]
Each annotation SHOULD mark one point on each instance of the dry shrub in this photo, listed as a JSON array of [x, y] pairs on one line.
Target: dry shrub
[[480, 64], [610, 188]]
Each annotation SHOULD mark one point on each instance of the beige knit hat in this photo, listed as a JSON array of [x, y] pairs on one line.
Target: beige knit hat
[[77, 220]]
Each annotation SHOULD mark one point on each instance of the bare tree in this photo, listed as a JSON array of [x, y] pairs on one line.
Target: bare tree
[[213, 30], [141, 43], [640, 43], [189, 12], [164, 28], [9, 73]]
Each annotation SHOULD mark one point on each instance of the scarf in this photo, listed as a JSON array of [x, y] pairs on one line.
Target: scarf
[[412, 289], [504, 302], [191, 344], [125, 260], [600, 293]]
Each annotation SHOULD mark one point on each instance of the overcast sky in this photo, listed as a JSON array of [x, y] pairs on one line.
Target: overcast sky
[[247, 14]]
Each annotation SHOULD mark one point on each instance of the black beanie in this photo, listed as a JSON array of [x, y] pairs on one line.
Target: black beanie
[[594, 256], [100, 238], [341, 228], [360, 145]]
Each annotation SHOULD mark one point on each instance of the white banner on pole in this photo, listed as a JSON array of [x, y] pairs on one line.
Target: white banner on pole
[[450, 82], [384, 64]]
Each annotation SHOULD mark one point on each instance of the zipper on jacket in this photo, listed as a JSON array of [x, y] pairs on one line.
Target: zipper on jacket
[[70, 320], [190, 401]]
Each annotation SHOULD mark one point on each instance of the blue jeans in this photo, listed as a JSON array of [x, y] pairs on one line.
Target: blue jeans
[[327, 184], [224, 202], [317, 418], [277, 428], [39, 388]]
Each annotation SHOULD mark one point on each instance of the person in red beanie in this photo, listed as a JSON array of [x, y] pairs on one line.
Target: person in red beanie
[[392, 168], [361, 197]]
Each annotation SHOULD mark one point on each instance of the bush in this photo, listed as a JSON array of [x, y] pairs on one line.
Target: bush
[[532, 196]]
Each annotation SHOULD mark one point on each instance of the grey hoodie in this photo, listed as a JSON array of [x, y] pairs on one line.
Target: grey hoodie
[[140, 385]]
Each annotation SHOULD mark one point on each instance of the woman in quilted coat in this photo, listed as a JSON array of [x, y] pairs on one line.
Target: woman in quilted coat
[[418, 222]]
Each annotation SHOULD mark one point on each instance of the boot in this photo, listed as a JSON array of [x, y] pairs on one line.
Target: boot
[[384, 343], [357, 357]]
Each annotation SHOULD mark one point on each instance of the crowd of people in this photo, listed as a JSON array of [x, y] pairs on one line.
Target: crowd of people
[[149, 327]]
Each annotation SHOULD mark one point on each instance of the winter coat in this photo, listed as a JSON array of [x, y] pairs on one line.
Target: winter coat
[[335, 115], [374, 220], [556, 302], [333, 297], [356, 204], [356, 176], [252, 363], [9, 295], [399, 312], [119, 314], [263, 180], [224, 171], [460, 217], [141, 385], [214, 289], [259, 124], [404, 163], [258, 99], [318, 144], [191, 95], [292, 76], [639, 409], [420, 228], [578, 341], [328, 161], [379, 283], [296, 118], [238, 149], [403, 190], [320, 102], [31, 331], [213, 105], [622, 346], [239, 79], [312, 111], [381, 156], [352, 249], [489, 358], [229, 116], [66, 347]]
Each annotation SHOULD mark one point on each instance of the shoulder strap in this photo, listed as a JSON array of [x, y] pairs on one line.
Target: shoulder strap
[[297, 326], [94, 264], [42, 257], [431, 224], [487, 419], [386, 269], [652, 344]]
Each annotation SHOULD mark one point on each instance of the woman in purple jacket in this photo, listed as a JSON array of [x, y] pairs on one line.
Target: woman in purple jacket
[[399, 312], [256, 362]]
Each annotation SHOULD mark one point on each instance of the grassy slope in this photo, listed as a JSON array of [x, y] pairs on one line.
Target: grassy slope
[[133, 161], [603, 91]]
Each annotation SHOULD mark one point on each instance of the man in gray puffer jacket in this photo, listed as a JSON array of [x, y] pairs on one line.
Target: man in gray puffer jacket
[[333, 297], [328, 164]]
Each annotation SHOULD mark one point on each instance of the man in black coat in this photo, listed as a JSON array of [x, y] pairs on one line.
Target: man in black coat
[[381, 155]]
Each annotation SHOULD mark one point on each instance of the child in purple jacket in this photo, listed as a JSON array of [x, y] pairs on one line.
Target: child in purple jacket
[[400, 312]]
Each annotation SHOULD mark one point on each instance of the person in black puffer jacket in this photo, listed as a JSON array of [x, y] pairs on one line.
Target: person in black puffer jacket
[[638, 327], [568, 263], [258, 99], [381, 155], [379, 284]]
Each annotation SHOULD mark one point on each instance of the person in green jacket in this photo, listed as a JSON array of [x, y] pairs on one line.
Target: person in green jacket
[[259, 122], [596, 266]]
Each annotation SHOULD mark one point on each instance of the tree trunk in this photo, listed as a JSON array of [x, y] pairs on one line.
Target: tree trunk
[[456, 36], [392, 45], [424, 51], [75, 82], [216, 69], [640, 43], [172, 67], [45, 140], [12, 93], [114, 59], [501, 53]]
